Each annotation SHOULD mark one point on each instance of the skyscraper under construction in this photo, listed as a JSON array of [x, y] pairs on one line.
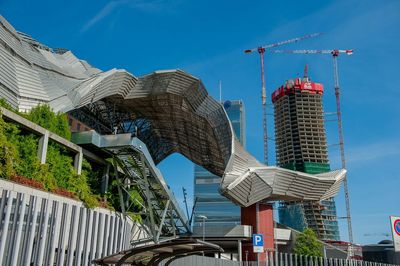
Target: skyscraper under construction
[[301, 146]]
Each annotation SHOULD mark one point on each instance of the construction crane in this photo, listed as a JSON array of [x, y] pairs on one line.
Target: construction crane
[[261, 50], [335, 53]]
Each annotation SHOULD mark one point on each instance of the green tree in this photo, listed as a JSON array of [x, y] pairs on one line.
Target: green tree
[[44, 116], [307, 244], [8, 151]]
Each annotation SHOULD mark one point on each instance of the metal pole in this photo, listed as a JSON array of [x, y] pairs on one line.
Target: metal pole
[[204, 228], [261, 51], [257, 226], [240, 250], [342, 154]]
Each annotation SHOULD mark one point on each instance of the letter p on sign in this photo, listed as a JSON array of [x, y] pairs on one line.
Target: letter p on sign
[[258, 243]]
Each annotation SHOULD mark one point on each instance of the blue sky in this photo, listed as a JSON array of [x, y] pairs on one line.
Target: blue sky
[[207, 39]]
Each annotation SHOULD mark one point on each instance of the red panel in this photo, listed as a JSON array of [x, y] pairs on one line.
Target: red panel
[[311, 87], [265, 227]]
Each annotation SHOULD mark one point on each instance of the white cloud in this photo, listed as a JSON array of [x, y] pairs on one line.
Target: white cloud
[[371, 152], [107, 9], [144, 6]]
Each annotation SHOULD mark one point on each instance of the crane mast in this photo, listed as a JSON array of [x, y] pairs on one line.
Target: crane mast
[[261, 51], [342, 154]]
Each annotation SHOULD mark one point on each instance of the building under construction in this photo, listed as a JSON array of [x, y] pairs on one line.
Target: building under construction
[[301, 146]]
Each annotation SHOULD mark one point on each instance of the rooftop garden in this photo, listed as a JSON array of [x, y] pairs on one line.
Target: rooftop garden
[[19, 162]]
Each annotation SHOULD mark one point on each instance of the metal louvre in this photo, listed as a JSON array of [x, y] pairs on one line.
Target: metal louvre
[[41, 228], [171, 110], [8, 75], [11, 39], [29, 83]]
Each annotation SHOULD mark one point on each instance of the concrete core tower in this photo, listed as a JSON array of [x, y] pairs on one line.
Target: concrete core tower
[[301, 146]]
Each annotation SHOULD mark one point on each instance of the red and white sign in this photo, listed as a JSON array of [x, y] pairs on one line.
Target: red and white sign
[[395, 225]]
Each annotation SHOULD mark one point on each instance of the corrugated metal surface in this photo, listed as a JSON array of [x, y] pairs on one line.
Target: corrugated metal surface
[[8, 76], [11, 97], [9, 27], [7, 35], [29, 83]]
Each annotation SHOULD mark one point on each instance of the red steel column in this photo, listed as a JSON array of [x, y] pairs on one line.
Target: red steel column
[[263, 224]]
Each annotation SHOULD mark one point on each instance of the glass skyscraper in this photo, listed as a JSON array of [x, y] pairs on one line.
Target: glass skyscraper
[[219, 210]]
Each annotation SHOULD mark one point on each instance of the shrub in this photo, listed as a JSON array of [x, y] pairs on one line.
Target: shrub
[[63, 192], [26, 181], [5, 104], [8, 151]]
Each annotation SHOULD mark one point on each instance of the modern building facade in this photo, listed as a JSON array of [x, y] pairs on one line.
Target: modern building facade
[[301, 146], [219, 210], [170, 110]]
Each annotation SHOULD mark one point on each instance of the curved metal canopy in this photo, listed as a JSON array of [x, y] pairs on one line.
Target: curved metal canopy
[[155, 253], [171, 111]]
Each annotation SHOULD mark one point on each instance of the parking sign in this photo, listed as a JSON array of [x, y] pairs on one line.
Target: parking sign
[[258, 243]]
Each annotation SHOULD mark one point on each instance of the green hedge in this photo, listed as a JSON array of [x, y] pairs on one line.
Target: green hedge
[[18, 155]]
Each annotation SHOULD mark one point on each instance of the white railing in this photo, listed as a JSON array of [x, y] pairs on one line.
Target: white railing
[[272, 259], [41, 228], [289, 259]]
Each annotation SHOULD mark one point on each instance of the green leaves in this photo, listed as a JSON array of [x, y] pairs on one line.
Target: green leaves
[[307, 244], [8, 151], [54, 122], [18, 156]]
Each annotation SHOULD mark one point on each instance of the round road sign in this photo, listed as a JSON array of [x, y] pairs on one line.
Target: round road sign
[[396, 226], [227, 104]]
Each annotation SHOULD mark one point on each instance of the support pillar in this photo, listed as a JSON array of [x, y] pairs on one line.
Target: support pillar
[[240, 250], [42, 147], [261, 218], [78, 162], [105, 179]]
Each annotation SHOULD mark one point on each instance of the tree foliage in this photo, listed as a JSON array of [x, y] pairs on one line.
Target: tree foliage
[[8, 151], [307, 244], [54, 122]]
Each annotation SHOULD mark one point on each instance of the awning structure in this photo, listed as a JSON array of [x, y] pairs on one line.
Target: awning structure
[[153, 254], [169, 110]]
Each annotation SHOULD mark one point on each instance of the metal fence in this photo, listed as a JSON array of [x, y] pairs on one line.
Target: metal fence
[[40, 228], [273, 259]]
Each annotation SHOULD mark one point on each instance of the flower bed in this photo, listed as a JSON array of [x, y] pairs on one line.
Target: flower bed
[[22, 180], [63, 192], [27, 182]]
